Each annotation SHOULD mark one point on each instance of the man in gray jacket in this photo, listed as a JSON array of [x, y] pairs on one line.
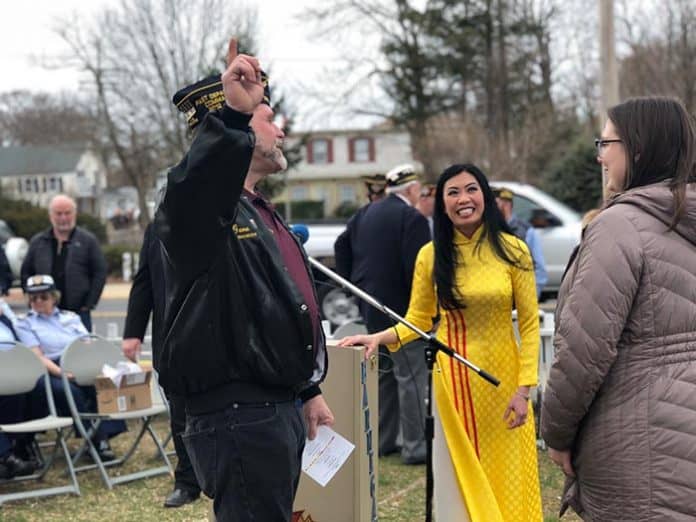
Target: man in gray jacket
[[72, 256]]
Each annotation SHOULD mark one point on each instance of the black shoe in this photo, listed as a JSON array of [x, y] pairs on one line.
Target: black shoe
[[180, 497], [104, 450], [16, 467]]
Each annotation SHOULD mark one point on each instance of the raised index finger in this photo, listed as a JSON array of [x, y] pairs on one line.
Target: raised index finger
[[231, 51]]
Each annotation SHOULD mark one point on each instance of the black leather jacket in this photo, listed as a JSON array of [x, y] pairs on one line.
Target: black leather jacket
[[235, 326]]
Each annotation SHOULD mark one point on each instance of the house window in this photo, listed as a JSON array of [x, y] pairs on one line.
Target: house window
[[52, 184], [19, 186], [361, 150], [320, 151], [299, 193], [27, 185], [44, 184], [346, 193], [60, 184]]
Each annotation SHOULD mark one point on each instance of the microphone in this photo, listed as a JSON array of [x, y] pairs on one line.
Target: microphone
[[301, 232]]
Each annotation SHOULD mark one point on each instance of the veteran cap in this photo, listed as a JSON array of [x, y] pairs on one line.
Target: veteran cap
[[39, 283], [400, 175], [206, 95], [503, 193]]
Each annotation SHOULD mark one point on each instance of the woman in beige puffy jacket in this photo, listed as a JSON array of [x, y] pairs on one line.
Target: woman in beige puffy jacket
[[619, 412]]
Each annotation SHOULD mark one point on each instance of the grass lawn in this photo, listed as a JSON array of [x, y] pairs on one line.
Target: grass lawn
[[401, 492]]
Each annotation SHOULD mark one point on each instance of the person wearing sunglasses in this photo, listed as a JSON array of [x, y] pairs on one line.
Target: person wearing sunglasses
[[48, 330]]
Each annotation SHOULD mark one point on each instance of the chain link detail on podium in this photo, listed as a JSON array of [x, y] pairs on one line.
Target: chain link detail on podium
[[368, 438]]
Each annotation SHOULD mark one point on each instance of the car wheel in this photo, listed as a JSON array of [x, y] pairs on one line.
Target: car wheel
[[339, 307]]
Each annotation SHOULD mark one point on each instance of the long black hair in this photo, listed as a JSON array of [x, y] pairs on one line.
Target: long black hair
[[660, 141], [443, 235]]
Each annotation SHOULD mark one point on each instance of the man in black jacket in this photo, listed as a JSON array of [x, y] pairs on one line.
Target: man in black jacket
[[377, 252], [146, 297], [241, 333], [72, 256]]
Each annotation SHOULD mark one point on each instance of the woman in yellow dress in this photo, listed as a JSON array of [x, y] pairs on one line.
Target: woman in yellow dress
[[472, 274]]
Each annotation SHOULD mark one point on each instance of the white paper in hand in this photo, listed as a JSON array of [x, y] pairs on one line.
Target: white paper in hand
[[324, 456]]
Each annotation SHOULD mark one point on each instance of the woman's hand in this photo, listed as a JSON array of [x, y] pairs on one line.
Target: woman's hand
[[564, 459], [371, 342], [516, 412]]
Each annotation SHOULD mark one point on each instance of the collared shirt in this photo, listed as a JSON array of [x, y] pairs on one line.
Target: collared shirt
[[53, 333], [7, 337], [292, 257]]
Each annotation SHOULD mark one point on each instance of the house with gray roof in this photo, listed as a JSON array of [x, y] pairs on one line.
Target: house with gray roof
[[37, 173]]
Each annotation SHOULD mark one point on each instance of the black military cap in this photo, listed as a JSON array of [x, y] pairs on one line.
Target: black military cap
[[206, 95]]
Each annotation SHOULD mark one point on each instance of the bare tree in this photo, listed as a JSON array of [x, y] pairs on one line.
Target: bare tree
[[135, 57], [28, 118]]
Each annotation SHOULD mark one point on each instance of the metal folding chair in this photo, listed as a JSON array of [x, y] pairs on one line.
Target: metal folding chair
[[349, 328], [20, 370], [84, 359]]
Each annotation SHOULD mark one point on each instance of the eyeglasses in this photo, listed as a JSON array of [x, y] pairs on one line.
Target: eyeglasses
[[601, 144], [43, 296]]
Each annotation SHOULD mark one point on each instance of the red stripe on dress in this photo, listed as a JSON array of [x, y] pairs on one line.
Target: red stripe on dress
[[468, 387], [457, 349], [454, 387]]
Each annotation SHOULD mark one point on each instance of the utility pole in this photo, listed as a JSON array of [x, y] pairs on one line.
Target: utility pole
[[609, 73]]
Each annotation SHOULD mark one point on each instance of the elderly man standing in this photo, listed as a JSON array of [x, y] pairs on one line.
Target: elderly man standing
[[241, 337], [72, 256], [377, 252]]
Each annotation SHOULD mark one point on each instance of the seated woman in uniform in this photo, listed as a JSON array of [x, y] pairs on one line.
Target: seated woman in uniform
[[48, 331]]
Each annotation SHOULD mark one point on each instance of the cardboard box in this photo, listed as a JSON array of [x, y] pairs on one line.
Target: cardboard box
[[132, 394]]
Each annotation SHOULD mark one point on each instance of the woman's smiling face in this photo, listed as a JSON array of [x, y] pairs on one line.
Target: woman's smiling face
[[464, 204]]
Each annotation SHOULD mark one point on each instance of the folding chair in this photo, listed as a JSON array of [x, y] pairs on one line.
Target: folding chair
[[349, 328], [20, 369], [84, 359]]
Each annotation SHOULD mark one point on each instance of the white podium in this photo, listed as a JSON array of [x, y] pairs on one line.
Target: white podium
[[347, 497]]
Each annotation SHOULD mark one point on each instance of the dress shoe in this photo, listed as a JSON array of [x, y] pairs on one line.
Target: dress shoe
[[104, 450], [13, 466], [180, 497]]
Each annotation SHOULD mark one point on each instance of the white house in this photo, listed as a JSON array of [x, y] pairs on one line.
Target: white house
[[333, 162], [37, 173]]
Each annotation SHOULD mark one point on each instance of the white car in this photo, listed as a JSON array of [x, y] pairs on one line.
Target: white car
[[558, 226], [15, 248]]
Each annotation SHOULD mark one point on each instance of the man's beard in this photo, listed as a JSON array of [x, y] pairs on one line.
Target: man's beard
[[276, 156]]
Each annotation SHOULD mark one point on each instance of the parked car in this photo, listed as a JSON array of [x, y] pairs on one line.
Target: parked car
[[15, 249], [558, 225]]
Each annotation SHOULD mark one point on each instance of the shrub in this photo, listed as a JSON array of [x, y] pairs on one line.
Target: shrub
[[114, 257]]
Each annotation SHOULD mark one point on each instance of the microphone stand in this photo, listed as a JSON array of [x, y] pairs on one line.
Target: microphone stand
[[430, 351]]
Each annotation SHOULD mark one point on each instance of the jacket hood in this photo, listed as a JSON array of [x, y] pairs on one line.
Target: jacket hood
[[658, 201]]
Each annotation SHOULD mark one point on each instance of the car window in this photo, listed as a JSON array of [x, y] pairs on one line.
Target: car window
[[523, 207]]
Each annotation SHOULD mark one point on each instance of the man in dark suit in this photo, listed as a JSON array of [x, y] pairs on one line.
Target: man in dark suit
[[377, 252], [146, 296]]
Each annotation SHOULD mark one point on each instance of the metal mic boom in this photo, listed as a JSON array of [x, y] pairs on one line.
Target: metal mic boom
[[391, 313]]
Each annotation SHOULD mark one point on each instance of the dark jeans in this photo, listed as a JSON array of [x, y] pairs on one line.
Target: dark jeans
[[184, 476], [247, 459], [20, 408], [86, 317]]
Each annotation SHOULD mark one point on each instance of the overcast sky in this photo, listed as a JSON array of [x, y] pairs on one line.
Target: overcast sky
[[27, 34]]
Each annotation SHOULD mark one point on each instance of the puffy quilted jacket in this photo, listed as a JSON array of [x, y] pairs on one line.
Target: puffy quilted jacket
[[622, 389]]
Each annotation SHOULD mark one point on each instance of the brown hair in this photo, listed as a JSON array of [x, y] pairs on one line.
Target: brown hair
[[660, 142]]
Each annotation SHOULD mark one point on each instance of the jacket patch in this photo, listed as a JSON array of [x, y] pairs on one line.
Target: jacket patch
[[243, 232]]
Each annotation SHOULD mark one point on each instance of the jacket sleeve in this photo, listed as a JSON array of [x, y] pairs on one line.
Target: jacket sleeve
[[140, 299], [343, 253], [98, 273], [203, 191], [525, 298], [591, 318], [534, 243], [415, 234]]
